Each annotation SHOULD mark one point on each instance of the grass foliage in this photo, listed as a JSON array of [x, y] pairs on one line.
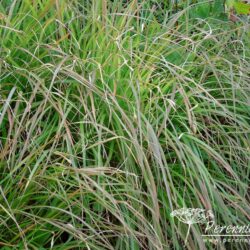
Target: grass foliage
[[113, 114]]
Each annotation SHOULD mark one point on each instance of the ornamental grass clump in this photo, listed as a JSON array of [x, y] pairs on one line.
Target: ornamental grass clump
[[115, 114]]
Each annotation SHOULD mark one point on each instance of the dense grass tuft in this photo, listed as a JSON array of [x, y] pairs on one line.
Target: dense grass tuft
[[112, 116]]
